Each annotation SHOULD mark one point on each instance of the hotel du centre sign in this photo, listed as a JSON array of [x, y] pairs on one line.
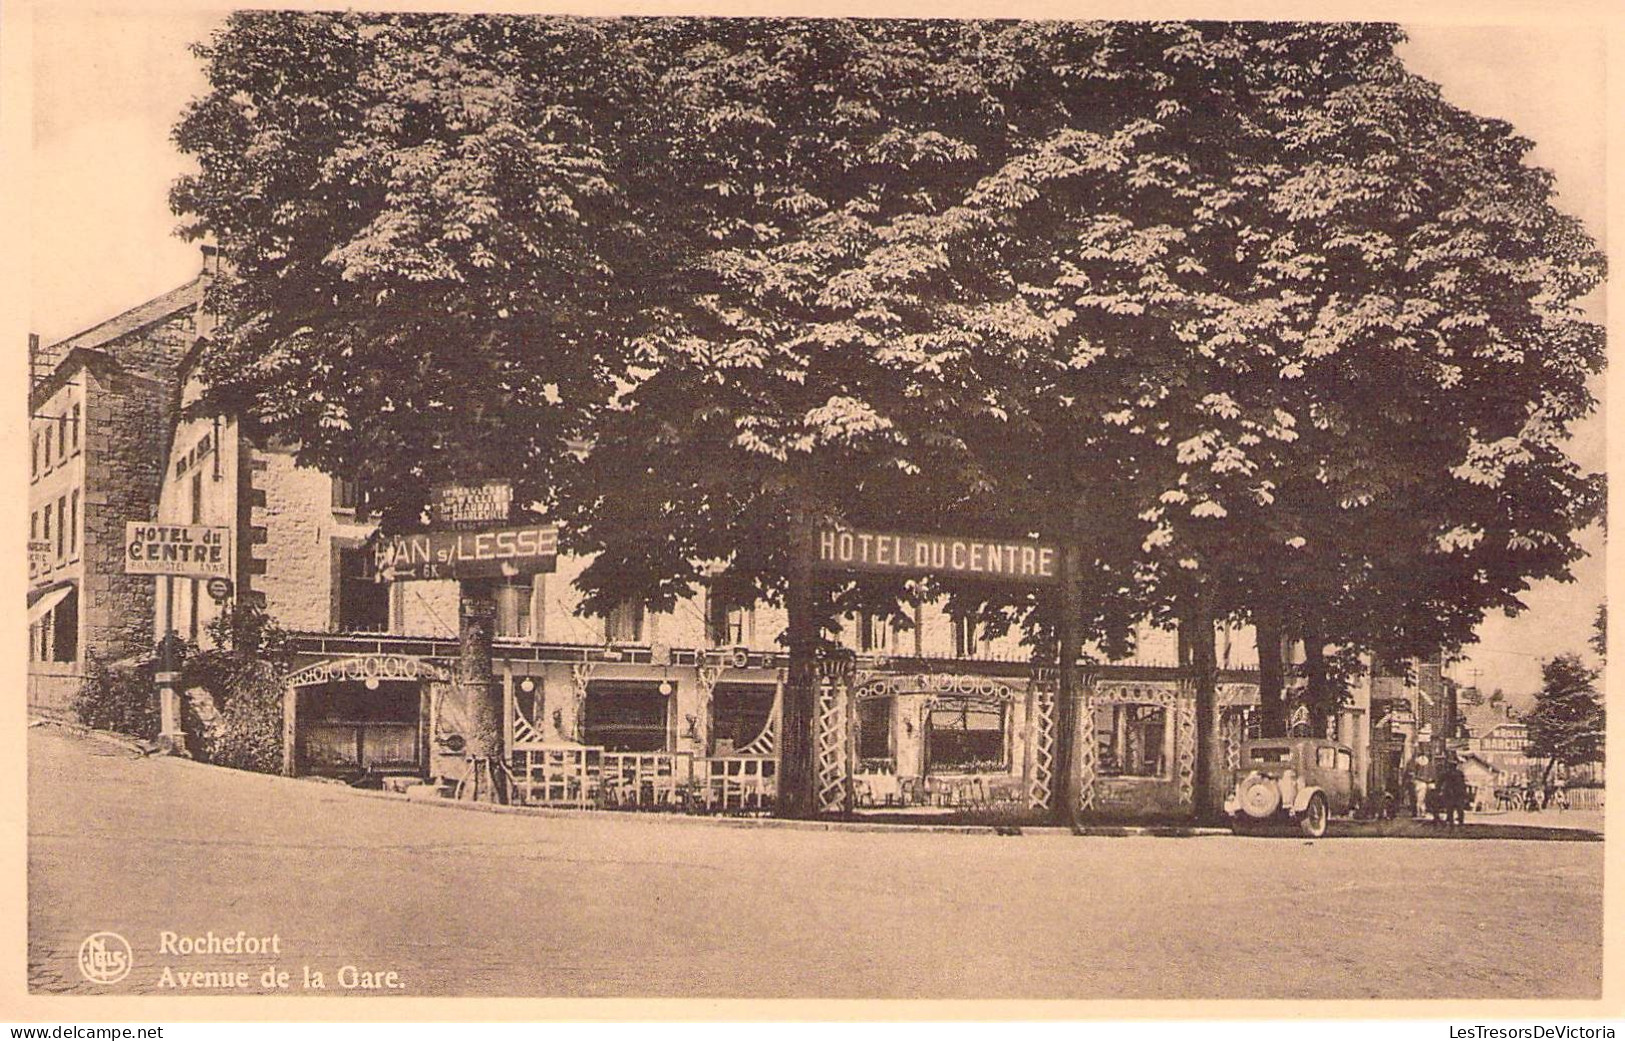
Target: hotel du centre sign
[[1000, 560]]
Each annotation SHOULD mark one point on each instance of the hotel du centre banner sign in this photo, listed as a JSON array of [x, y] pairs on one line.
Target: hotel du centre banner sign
[[1003, 560], [185, 550]]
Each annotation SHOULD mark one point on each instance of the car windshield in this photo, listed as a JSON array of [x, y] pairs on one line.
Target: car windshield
[[1272, 754]]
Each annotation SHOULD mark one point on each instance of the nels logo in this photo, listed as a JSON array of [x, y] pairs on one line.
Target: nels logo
[[104, 958]]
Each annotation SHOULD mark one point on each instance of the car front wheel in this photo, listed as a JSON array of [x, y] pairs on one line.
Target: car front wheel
[[1315, 815]]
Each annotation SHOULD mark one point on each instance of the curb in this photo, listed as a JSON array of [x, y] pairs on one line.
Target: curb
[[675, 819]]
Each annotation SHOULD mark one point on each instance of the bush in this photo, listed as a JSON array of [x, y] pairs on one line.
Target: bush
[[242, 677], [121, 698], [247, 732]]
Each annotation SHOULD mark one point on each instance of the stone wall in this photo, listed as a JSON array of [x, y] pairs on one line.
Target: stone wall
[[296, 536], [126, 423]]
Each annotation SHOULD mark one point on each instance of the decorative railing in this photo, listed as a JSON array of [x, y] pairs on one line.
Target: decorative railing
[[591, 777]]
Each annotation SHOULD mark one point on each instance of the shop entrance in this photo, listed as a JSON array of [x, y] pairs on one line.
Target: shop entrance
[[347, 728], [368, 714]]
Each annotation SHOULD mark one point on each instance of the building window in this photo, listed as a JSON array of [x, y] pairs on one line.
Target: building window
[[73, 526], [874, 735], [625, 717], [624, 624], [62, 436], [346, 494], [729, 626], [33, 469], [45, 462], [197, 497], [739, 715], [363, 605], [538, 607], [61, 526], [45, 528], [966, 643], [74, 428], [965, 735], [1132, 740], [33, 525], [874, 634], [513, 611], [55, 637]]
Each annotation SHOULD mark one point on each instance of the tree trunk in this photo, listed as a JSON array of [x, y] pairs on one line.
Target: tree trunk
[[798, 714], [1069, 647], [1204, 668], [1271, 679], [482, 696]]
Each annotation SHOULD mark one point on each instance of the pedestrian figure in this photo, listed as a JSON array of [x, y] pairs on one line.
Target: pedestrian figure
[[1419, 809], [1560, 794], [1453, 793], [1531, 796]]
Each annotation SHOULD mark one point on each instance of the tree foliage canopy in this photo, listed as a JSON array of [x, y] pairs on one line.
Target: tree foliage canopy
[[1568, 723], [1241, 306]]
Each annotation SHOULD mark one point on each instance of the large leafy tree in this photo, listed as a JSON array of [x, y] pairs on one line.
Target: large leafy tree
[[1245, 311], [1568, 723], [429, 247]]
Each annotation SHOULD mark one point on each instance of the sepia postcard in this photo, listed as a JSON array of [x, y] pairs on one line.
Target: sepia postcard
[[769, 513]]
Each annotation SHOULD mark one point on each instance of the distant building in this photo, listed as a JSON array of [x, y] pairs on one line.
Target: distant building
[[100, 407], [1502, 742]]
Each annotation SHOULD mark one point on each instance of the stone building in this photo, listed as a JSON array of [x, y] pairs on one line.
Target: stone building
[[944, 714], [100, 406], [641, 706]]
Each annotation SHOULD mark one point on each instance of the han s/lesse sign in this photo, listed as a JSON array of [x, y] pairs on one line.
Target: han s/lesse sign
[[505, 553], [1004, 560]]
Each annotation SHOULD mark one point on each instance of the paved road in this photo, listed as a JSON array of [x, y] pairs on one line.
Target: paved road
[[471, 903]]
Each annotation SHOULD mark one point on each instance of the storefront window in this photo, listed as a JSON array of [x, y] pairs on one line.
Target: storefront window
[[739, 715], [626, 717], [1131, 740], [966, 735], [874, 734]]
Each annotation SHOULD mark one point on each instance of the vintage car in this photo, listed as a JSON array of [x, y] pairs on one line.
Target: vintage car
[[1293, 780]]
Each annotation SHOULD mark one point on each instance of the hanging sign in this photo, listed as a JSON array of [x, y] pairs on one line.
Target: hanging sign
[[219, 589], [1001, 560], [186, 550], [462, 507], [430, 555]]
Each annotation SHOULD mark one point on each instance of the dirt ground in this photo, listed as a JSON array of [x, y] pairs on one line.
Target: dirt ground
[[465, 903]]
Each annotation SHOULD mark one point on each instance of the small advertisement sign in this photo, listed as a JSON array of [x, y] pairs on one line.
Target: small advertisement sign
[[39, 558], [186, 550], [1002, 560], [430, 555], [461, 507]]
